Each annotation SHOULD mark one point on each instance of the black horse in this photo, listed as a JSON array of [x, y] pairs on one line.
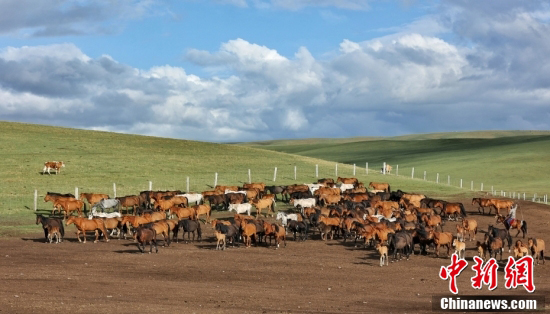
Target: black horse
[[217, 200], [298, 227], [502, 234], [231, 232], [275, 189], [52, 222], [401, 241], [189, 226]]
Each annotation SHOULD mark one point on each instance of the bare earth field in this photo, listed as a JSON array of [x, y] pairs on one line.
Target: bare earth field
[[309, 277]]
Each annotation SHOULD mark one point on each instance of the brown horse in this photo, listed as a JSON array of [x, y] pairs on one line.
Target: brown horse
[[68, 206], [54, 231], [248, 231], [470, 225], [443, 239], [520, 249], [519, 225], [202, 210], [482, 250], [268, 204], [85, 224], [144, 236], [182, 213], [163, 228], [501, 204], [482, 203], [380, 186], [129, 201], [353, 181], [135, 221], [93, 198], [454, 210], [220, 240], [433, 221], [494, 244], [536, 246]]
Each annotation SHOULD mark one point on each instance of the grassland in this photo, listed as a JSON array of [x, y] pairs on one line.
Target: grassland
[[511, 163], [95, 160]]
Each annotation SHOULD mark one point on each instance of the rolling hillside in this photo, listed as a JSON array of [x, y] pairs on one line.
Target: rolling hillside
[[95, 160], [511, 163]]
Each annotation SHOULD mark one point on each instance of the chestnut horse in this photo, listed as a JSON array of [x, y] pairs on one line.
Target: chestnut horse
[[536, 246], [519, 225], [85, 224], [146, 235], [443, 239], [501, 204], [68, 206], [380, 186], [482, 203], [470, 225], [454, 209]]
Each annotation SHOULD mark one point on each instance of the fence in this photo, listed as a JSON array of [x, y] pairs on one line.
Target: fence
[[292, 175]]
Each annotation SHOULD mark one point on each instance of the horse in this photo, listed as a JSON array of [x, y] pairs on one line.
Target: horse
[[240, 208], [50, 222], [400, 241], [460, 248], [494, 244], [298, 227], [189, 226], [85, 224], [519, 225], [248, 231], [353, 181], [129, 201], [202, 209], [193, 197], [217, 200], [443, 239], [482, 203], [68, 206], [105, 204], [160, 227], [92, 198], [231, 231], [380, 186], [433, 221], [383, 251], [536, 246], [502, 234], [470, 225], [53, 231], [275, 189], [482, 250], [454, 209], [182, 212], [284, 217], [501, 204], [220, 240], [146, 235], [520, 249]]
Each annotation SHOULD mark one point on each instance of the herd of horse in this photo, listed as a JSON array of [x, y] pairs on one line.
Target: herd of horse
[[392, 222]]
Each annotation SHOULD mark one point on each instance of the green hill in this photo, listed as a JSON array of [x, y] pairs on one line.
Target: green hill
[[516, 163], [95, 160]]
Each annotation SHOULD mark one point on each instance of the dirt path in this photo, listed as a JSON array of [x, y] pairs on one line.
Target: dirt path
[[314, 276]]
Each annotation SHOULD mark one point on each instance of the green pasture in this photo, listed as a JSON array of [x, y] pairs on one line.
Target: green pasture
[[95, 160], [517, 163]]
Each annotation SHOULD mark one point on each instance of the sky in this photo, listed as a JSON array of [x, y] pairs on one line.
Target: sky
[[244, 70]]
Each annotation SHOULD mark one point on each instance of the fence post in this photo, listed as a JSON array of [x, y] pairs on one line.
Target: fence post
[[317, 171], [150, 185], [215, 180], [524, 196], [437, 178], [294, 173], [412, 173], [481, 186], [472, 185], [354, 170], [35, 199], [367, 168], [187, 184], [114, 189], [397, 170], [275, 175], [76, 193], [336, 170], [461, 183], [424, 175], [448, 180], [249, 177], [546, 199], [384, 168]]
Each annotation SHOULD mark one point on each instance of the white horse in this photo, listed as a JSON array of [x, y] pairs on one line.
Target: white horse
[[192, 197], [284, 217], [106, 203], [314, 187], [235, 192], [241, 208], [344, 187]]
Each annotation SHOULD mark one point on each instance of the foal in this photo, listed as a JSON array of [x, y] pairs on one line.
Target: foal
[[53, 231]]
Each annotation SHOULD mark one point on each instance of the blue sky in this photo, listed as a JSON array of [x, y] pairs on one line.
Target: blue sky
[[231, 70]]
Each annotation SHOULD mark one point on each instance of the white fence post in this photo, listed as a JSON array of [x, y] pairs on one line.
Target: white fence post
[[336, 170], [481, 187], [367, 168], [472, 185], [546, 199], [448, 180], [249, 177], [275, 174], [437, 178], [215, 180], [317, 171], [354, 170], [114, 189], [187, 181], [384, 168], [35, 199], [397, 170], [150, 185], [294, 173], [461, 183], [412, 173], [76, 193], [424, 175], [524, 196]]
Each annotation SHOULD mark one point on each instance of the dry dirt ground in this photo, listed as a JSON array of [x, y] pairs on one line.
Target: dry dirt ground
[[312, 276]]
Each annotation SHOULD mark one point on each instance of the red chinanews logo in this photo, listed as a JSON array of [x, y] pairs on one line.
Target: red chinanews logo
[[517, 273]]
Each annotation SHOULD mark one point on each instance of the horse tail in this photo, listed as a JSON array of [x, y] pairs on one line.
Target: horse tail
[[389, 189], [524, 227], [462, 210]]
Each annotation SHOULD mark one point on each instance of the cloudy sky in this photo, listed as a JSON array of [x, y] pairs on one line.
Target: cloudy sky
[[239, 70]]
